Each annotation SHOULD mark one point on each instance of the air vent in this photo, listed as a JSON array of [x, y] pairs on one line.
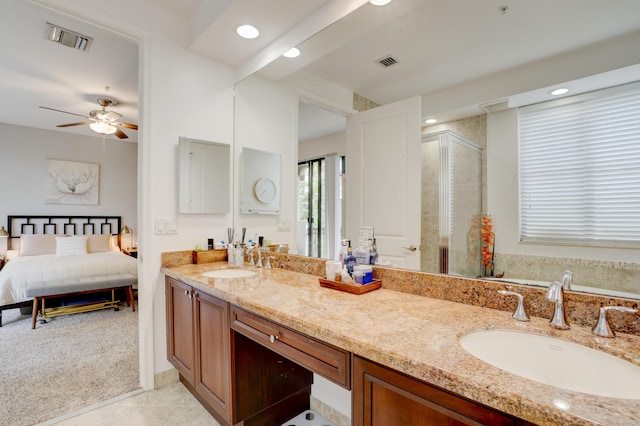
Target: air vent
[[68, 38], [495, 106], [387, 61]]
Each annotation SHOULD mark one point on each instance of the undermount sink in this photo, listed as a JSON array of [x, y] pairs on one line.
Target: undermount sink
[[555, 362], [229, 273]]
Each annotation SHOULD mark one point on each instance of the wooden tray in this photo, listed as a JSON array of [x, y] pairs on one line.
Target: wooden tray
[[351, 288], [208, 256]]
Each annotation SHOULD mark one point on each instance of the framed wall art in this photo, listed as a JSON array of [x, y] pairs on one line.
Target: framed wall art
[[71, 182]]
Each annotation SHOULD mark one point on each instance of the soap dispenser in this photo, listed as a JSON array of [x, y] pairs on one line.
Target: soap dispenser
[[350, 259], [373, 258]]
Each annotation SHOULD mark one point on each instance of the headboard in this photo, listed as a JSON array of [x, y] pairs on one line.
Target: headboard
[[70, 225]]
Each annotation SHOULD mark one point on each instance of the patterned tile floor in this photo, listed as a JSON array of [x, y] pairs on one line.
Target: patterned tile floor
[[170, 405]]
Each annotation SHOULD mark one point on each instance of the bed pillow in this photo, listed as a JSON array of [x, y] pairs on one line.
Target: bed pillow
[[114, 243], [74, 245], [98, 243], [37, 244]]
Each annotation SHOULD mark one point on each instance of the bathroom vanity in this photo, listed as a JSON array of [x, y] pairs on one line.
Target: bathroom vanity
[[247, 347]]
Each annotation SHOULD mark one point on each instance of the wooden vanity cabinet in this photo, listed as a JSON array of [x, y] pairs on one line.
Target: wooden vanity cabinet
[[329, 361], [198, 345], [180, 328], [239, 381], [382, 396]]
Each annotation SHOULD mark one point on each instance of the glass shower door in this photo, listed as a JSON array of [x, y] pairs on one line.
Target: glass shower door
[[451, 205]]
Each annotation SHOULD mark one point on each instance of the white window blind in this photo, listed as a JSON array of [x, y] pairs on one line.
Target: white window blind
[[580, 169]]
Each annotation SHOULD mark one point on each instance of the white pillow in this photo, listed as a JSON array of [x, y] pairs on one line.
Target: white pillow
[[74, 245]]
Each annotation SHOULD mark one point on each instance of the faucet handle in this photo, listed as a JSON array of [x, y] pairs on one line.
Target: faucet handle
[[603, 328], [567, 279], [268, 265], [520, 313]]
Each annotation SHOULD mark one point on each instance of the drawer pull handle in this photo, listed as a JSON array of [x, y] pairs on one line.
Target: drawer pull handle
[[273, 338]]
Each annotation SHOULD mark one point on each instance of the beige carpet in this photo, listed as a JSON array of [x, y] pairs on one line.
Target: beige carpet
[[68, 363]]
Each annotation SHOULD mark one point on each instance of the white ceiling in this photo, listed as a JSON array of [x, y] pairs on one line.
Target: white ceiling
[[439, 44]]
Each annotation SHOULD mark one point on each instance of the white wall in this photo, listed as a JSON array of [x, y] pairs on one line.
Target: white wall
[[319, 147], [184, 95], [23, 151], [265, 119]]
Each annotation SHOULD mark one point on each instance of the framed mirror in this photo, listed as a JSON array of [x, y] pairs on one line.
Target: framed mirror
[[204, 174]]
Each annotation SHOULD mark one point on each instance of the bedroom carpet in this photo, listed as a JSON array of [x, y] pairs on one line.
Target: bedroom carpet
[[68, 363]]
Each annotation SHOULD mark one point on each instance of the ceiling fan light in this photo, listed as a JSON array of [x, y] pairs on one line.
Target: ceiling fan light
[[102, 128]]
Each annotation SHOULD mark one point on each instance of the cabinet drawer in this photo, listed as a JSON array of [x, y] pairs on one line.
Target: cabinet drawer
[[319, 357]]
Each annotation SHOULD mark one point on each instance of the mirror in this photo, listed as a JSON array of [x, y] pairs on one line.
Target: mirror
[[200, 165], [260, 192], [483, 104]]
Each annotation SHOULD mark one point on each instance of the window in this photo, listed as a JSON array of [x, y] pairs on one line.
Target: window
[[580, 169]]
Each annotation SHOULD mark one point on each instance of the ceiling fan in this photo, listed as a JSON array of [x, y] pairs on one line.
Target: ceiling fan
[[100, 120]]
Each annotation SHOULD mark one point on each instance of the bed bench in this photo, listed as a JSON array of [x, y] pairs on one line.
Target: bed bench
[[89, 285]]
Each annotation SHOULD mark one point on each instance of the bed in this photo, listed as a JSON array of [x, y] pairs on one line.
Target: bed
[[65, 257]]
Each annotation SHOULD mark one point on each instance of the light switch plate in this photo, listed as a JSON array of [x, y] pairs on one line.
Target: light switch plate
[[165, 225], [284, 225]]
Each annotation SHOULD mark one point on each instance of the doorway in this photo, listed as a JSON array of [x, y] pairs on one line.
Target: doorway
[[311, 207], [321, 153]]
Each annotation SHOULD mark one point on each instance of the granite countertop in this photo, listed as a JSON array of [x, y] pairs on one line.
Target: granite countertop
[[419, 336]]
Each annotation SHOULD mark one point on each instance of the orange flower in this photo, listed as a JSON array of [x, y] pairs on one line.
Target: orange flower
[[488, 237]]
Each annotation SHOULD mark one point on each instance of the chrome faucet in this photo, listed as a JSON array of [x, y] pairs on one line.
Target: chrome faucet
[[520, 313], [268, 264], [602, 328], [555, 293], [567, 279], [258, 264]]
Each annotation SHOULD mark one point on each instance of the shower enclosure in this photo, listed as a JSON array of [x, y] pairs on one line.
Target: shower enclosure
[[451, 205]]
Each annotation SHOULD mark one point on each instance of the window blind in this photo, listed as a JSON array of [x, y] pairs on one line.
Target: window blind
[[579, 171]]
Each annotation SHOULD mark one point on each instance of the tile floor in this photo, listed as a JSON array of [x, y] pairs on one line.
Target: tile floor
[[167, 406]]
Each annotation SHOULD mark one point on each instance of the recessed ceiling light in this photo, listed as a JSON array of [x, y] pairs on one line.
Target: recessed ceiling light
[[559, 91], [431, 121], [294, 52], [247, 31], [379, 2]]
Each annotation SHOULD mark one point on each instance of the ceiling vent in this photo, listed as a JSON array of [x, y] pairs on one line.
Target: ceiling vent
[[68, 38], [387, 61], [495, 106]]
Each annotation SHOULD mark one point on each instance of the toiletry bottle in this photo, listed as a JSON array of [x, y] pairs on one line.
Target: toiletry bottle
[[350, 260], [343, 251], [373, 259], [362, 256]]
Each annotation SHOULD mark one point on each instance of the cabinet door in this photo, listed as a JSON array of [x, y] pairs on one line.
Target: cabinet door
[[213, 373], [385, 397], [180, 336]]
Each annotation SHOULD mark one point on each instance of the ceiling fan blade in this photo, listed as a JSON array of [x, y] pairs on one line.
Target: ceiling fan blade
[[125, 125], [66, 112], [119, 133], [74, 124]]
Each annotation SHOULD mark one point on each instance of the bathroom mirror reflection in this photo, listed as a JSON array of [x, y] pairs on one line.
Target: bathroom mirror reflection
[[260, 191], [204, 173], [474, 93]]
